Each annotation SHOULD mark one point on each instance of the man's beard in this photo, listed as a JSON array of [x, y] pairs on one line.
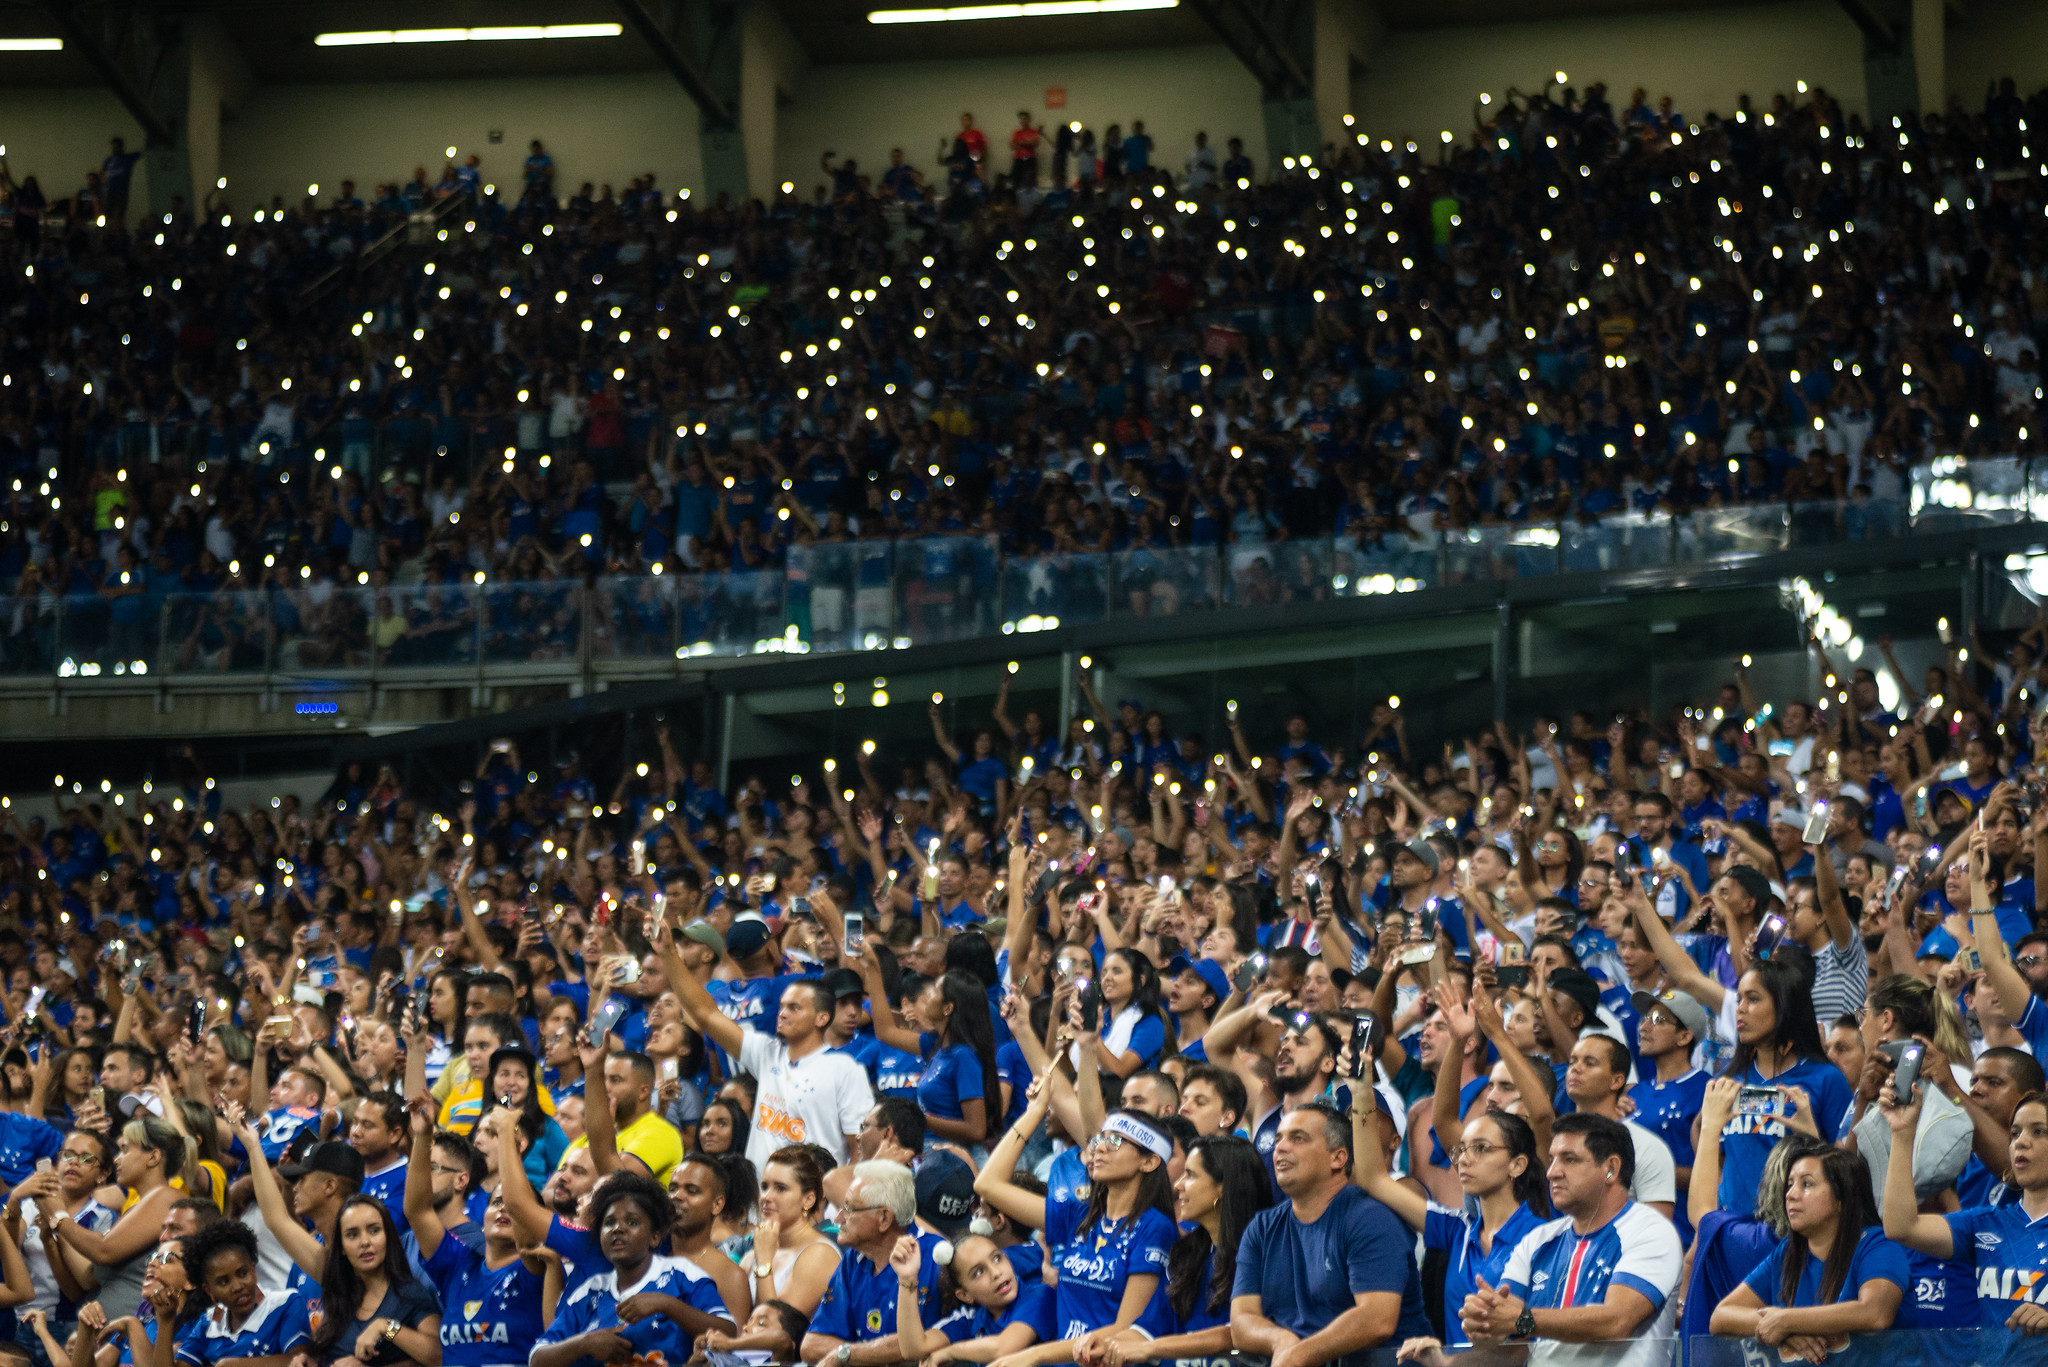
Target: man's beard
[[1286, 1083]]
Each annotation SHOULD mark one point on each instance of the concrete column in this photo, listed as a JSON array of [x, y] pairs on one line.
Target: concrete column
[[1930, 54], [772, 62]]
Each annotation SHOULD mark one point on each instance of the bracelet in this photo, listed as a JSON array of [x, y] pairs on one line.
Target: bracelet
[[905, 1286]]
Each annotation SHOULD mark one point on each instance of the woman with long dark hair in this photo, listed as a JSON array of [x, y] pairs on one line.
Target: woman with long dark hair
[[1506, 1196], [1133, 1032], [495, 1300], [1777, 1046], [1835, 1273], [373, 1310], [515, 1077], [1223, 1185], [1112, 1253], [724, 1127], [950, 1029]]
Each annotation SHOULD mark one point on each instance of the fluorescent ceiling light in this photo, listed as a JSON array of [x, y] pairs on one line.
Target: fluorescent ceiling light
[[31, 44], [1030, 9], [502, 33]]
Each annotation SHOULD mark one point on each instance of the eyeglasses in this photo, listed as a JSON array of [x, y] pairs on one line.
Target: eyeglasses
[[1109, 1142], [1478, 1148], [2028, 961], [445, 1170], [76, 1156]]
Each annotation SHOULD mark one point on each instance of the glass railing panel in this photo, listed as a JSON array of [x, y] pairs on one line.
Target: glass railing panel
[[1625, 541], [1992, 1346], [734, 612], [1165, 581], [1276, 572], [948, 588], [223, 632], [29, 630], [637, 620], [1369, 564], [1046, 592], [1741, 530], [533, 622]]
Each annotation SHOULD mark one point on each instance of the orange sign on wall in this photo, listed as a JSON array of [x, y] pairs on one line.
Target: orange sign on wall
[[1055, 97]]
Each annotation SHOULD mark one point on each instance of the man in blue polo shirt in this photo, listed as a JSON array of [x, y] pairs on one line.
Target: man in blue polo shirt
[[1603, 1271], [855, 1324], [1326, 1274]]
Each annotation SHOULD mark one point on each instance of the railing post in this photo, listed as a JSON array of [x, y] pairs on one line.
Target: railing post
[[1503, 625]]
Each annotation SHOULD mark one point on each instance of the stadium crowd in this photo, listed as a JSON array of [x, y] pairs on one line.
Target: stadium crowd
[[1056, 1044], [1074, 1040], [1578, 311]]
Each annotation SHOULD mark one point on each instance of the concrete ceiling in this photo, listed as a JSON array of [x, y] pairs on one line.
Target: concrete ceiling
[[275, 37]]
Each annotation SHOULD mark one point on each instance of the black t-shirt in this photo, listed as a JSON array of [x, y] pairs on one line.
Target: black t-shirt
[[408, 1303]]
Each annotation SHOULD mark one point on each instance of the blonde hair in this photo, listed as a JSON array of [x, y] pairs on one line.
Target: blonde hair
[[1921, 1010]]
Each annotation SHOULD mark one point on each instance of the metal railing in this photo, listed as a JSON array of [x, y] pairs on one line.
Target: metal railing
[[874, 595]]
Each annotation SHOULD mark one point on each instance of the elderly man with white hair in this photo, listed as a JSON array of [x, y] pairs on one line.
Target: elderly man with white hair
[[855, 1324]]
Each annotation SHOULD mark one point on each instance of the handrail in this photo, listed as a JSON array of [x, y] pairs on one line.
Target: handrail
[[383, 246], [846, 597]]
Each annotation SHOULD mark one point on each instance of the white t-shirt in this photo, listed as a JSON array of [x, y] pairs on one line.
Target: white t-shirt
[[1656, 1177], [817, 1099]]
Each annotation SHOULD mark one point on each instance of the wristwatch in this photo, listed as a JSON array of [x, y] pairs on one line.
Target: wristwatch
[[391, 1328], [1525, 1324], [843, 1354]]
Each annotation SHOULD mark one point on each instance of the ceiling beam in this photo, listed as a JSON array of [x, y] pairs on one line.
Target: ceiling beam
[[716, 111], [90, 44], [1874, 25], [1246, 33]]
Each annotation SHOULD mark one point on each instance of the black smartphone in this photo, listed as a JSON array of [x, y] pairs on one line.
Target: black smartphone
[[1769, 936], [607, 1017], [1362, 1026], [1091, 1005], [195, 1022], [1512, 975], [1908, 1074], [1249, 972]]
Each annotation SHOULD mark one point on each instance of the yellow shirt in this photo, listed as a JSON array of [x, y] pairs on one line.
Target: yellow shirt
[[465, 1106], [650, 1139]]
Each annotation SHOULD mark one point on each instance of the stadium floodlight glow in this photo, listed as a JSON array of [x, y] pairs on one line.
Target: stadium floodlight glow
[[31, 44], [1029, 9], [497, 34]]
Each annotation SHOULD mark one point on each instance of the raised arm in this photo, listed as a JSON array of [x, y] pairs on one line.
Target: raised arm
[[419, 1178], [993, 1185], [294, 1237], [1903, 1222]]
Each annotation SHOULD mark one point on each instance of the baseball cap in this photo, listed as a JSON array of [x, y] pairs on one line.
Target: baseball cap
[[705, 934], [842, 983], [1790, 816], [1690, 1013], [329, 1156], [1208, 970], [945, 1192], [1424, 851], [748, 934], [1578, 984]]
